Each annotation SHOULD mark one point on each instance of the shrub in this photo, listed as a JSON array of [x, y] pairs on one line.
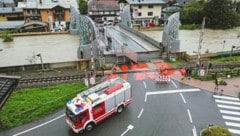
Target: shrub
[[7, 38], [215, 131]]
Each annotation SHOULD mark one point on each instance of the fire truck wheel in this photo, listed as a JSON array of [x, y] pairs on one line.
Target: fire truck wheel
[[89, 126], [120, 109]]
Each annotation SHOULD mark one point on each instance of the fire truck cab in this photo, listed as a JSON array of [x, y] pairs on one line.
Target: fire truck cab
[[94, 105]]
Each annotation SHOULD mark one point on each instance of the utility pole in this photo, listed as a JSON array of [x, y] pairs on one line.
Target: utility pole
[[200, 42]]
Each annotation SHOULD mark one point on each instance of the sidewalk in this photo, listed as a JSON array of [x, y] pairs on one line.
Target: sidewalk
[[232, 88]]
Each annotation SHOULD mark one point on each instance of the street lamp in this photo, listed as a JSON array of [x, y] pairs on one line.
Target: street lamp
[[232, 50], [223, 45], [40, 56]]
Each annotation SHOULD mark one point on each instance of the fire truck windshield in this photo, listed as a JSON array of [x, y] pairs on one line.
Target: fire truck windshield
[[71, 116]]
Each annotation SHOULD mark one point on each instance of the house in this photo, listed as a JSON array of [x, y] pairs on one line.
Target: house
[[103, 10], [55, 13], [8, 11], [146, 12]]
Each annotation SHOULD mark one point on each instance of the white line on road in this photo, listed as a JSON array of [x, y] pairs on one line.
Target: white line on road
[[144, 84], [232, 124], [140, 114], [130, 127], [231, 118], [230, 112], [183, 98], [174, 83], [171, 91], [227, 102], [194, 131], [228, 107], [235, 131], [189, 114], [38, 126], [226, 97]]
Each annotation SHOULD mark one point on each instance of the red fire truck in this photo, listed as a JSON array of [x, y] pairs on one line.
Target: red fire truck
[[94, 105]]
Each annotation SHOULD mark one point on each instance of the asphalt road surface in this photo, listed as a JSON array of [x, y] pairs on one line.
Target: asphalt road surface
[[172, 109]]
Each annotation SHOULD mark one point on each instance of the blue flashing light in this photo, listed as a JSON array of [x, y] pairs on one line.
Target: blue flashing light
[[78, 110], [69, 102]]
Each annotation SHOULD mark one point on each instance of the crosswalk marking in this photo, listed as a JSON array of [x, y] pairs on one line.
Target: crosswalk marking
[[230, 112], [228, 107], [231, 118], [227, 102], [232, 124], [235, 131], [226, 97]]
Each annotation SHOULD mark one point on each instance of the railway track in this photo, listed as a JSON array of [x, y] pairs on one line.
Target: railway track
[[43, 81]]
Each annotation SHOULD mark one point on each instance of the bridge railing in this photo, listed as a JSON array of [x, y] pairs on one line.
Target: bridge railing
[[122, 49]]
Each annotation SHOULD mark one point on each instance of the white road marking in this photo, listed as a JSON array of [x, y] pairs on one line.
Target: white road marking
[[183, 98], [189, 114], [230, 112], [228, 107], [194, 131], [38, 126], [231, 118], [140, 114], [232, 124], [145, 98], [227, 102], [226, 97], [171, 91], [174, 83], [130, 127], [144, 84], [235, 131]]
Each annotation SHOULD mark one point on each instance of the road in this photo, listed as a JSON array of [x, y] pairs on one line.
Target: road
[[157, 109]]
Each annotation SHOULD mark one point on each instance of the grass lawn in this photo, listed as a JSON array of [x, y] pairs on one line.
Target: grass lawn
[[30, 104]]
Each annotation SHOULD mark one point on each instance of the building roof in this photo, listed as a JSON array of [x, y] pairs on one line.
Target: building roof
[[103, 5], [10, 24], [7, 1], [143, 2], [10, 10], [47, 4]]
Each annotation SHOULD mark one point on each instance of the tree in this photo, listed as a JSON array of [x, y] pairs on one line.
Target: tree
[[220, 14], [215, 131], [192, 13], [83, 7]]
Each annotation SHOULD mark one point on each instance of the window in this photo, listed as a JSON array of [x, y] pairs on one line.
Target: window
[[150, 6], [150, 13], [47, 11], [140, 6], [28, 11], [70, 115], [139, 13], [81, 116]]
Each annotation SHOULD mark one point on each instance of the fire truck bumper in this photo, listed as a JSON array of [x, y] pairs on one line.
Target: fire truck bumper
[[73, 128]]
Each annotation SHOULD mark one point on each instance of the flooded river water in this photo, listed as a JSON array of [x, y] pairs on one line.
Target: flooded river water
[[63, 47], [213, 40], [53, 48]]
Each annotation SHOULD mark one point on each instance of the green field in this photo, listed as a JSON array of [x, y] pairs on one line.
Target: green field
[[30, 104]]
